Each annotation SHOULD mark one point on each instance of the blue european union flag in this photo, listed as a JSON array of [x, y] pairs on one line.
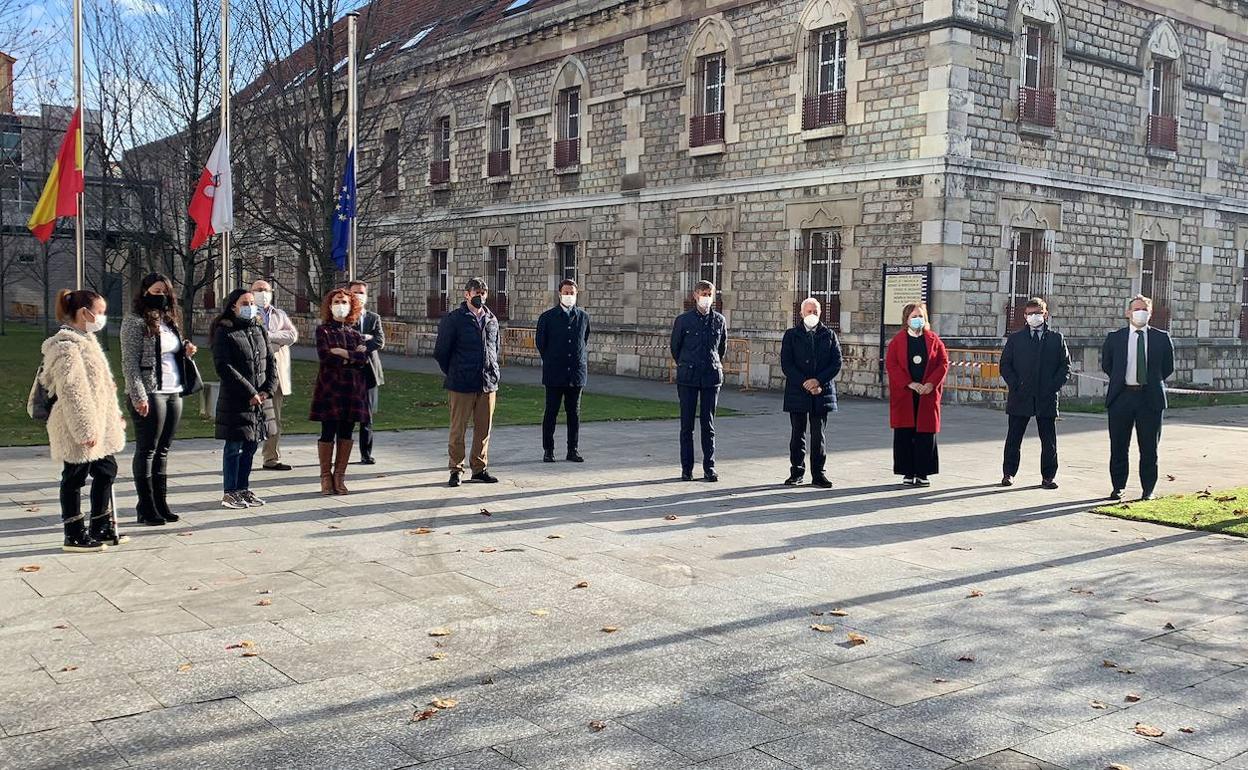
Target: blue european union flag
[[344, 212]]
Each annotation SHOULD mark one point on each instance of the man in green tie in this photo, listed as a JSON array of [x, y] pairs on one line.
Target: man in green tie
[[1137, 360]]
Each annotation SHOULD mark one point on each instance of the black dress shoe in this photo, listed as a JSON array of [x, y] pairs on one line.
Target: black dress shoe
[[821, 482], [1007, 481], [1116, 494], [686, 476], [277, 467], [483, 477], [575, 456], [793, 480], [548, 457], [1048, 484], [711, 476], [368, 461], [454, 482]]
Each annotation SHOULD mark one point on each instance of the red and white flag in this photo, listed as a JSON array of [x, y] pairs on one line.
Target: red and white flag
[[212, 205]]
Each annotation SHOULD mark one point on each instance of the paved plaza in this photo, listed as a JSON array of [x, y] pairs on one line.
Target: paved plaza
[[608, 616]]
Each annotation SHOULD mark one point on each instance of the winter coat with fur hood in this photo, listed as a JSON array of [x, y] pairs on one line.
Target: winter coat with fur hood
[[77, 373]]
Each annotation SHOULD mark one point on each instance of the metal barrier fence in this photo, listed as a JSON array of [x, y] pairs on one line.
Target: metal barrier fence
[[518, 341], [975, 371], [736, 362]]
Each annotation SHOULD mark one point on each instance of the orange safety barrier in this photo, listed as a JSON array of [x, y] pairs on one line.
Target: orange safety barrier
[[736, 361], [974, 371], [518, 341]]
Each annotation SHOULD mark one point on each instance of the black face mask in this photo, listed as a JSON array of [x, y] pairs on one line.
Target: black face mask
[[156, 301], [477, 302]]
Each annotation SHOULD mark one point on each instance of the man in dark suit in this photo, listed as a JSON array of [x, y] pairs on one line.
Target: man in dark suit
[[1035, 365], [810, 357], [699, 342], [562, 334], [1137, 360], [375, 340]]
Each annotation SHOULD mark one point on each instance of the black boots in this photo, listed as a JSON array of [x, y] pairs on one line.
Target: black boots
[[160, 498], [104, 529], [146, 509], [77, 538]]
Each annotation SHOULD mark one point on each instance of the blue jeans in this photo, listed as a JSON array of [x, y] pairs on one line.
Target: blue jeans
[[699, 404], [237, 464]]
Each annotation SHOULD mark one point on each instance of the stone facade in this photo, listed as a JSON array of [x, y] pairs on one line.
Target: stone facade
[[940, 151]]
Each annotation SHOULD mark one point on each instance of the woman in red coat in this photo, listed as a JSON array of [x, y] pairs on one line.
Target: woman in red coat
[[340, 398], [917, 364]]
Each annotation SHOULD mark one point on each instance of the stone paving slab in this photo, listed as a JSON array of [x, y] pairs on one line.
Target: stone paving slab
[[299, 635]]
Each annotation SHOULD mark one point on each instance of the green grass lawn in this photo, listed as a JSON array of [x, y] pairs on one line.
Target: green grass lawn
[[1225, 512], [408, 400], [1175, 400]]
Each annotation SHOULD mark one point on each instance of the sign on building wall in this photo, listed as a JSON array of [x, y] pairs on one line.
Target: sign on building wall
[[901, 285]]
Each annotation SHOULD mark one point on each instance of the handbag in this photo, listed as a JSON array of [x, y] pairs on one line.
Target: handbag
[[40, 402], [192, 383]]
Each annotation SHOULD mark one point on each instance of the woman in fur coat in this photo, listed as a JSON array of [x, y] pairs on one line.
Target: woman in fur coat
[[85, 426]]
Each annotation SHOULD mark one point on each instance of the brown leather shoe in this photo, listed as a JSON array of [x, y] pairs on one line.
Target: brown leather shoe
[[341, 460], [325, 454]]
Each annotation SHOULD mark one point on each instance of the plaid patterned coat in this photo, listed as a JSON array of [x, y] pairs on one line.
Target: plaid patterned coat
[[341, 393]]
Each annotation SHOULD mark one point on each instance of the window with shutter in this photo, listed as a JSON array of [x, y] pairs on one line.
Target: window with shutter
[[438, 300], [497, 268], [568, 143], [819, 274], [499, 160], [1155, 280], [1163, 122], [1037, 99], [707, 124], [824, 104], [440, 162]]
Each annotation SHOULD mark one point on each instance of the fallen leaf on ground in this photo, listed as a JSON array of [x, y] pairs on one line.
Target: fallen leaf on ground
[[1151, 600], [1083, 591], [419, 531], [246, 644], [265, 591], [554, 537], [438, 656], [1169, 477], [610, 629], [668, 517], [69, 668], [1224, 498], [33, 509], [1096, 704], [334, 526], [257, 550], [1126, 671], [938, 680], [29, 568], [1148, 731], [264, 602], [1131, 698], [1108, 664], [485, 512], [856, 639], [582, 584], [60, 626], [838, 613], [974, 594], [184, 667], [439, 632], [541, 613], [421, 716], [184, 534], [597, 726], [1116, 766], [967, 659], [251, 654], [960, 548], [1188, 730], [488, 550], [1168, 627], [821, 628], [444, 703]]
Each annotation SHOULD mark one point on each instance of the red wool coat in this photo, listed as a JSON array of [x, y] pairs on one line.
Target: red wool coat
[[901, 398]]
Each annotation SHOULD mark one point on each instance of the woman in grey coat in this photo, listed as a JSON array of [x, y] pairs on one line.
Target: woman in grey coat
[[153, 355]]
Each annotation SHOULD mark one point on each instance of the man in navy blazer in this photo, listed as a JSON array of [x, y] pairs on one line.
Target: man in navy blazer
[[561, 339], [699, 342], [1137, 360]]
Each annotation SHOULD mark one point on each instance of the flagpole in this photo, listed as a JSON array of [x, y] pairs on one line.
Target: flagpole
[[353, 19], [80, 223], [225, 133]]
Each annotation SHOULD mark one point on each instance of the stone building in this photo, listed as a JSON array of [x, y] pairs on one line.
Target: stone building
[[1080, 150]]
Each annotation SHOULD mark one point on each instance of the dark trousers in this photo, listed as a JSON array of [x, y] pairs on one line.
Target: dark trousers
[[797, 442], [153, 435], [1047, 428], [366, 427], [697, 403], [236, 464], [1131, 411], [570, 397], [74, 477]]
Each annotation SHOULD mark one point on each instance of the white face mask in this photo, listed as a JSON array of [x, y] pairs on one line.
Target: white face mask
[[811, 321], [704, 303], [567, 300], [98, 324], [363, 298], [1140, 317], [263, 298], [1035, 320], [340, 311]]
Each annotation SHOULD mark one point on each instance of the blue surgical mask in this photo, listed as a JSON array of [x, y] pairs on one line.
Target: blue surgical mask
[[916, 323], [247, 312]]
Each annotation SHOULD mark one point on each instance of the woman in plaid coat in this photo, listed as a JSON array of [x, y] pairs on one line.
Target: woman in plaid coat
[[340, 399]]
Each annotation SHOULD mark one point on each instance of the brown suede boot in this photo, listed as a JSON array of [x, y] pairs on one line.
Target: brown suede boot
[[340, 466], [325, 453]]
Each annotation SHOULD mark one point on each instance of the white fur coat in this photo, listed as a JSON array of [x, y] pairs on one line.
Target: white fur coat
[[77, 373]]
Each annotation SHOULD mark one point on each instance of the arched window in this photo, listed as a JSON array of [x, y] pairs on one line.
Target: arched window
[[711, 90], [825, 79], [500, 116], [442, 144], [569, 117], [1162, 59], [1039, 29]]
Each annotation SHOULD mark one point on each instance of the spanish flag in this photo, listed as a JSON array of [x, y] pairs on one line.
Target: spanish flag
[[60, 193]]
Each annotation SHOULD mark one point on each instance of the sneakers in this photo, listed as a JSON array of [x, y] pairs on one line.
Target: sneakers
[[248, 497], [921, 481], [908, 481], [793, 480], [233, 500], [483, 477]]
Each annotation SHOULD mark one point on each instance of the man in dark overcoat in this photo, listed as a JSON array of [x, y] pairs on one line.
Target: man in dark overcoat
[[810, 356], [1035, 366], [561, 339]]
